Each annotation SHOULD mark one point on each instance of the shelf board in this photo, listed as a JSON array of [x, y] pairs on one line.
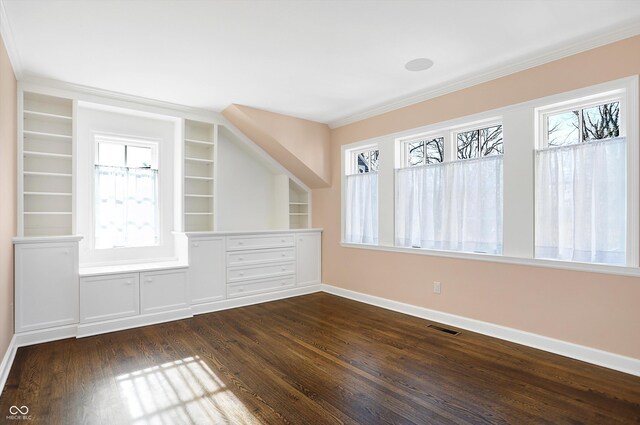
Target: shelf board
[[48, 193], [195, 195], [46, 154], [188, 158], [41, 173], [199, 142], [298, 213], [298, 203], [47, 115], [46, 135], [198, 213], [198, 178], [47, 213]]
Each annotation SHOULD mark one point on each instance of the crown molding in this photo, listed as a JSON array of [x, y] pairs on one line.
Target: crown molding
[[90, 92], [619, 33], [9, 42]]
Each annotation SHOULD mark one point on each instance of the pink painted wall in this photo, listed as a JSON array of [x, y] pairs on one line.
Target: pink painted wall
[[8, 145], [590, 309], [302, 146]]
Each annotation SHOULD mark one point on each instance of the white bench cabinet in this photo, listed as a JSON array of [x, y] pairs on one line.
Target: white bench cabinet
[[46, 275], [206, 269], [308, 256]]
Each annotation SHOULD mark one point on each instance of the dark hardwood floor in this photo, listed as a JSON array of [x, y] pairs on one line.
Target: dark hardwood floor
[[315, 359]]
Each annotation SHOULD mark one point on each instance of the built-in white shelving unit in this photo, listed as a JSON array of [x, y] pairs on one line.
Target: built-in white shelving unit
[[199, 162], [46, 166], [298, 206], [293, 210]]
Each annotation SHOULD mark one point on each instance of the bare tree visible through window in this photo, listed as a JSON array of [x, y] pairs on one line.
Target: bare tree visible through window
[[584, 125], [428, 151], [367, 161], [481, 142]]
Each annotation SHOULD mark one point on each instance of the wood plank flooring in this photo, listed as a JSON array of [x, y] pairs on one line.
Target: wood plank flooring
[[314, 359]]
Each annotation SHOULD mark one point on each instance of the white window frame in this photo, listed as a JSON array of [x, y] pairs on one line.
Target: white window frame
[[542, 140], [404, 148], [351, 166], [477, 126], [117, 140], [155, 158], [626, 92]]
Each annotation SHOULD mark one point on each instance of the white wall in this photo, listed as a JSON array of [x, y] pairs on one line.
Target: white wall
[[92, 119], [245, 188]]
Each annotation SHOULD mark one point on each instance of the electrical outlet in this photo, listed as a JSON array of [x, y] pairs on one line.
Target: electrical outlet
[[437, 288]]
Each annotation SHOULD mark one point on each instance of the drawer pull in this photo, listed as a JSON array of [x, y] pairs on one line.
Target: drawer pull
[[149, 280], [240, 289], [240, 258], [241, 273], [282, 240], [240, 243], [128, 283], [196, 244], [284, 283], [284, 268], [66, 252], [284, 255]]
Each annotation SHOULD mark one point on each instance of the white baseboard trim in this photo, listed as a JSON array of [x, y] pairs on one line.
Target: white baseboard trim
[[563, 348], [7, 362], [45, 335], [90, 329], [252, 299]]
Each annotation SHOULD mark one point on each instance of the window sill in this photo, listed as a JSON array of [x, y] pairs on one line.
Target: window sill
[[551, 264]]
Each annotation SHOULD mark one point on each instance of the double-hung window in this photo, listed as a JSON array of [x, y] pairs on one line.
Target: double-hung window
[[126, 212], [581, 182], [449, 190], [361, 195]]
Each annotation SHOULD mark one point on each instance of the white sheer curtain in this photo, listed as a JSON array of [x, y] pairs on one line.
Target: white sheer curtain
[[581, 202], [451, 206], [361, 218], [126, 207]]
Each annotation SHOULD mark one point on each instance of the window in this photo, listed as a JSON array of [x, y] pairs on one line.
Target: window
[[424, 151], [451, 205], [581, 183], [365, 161], [480, 142], [361, 196], [126, 194]]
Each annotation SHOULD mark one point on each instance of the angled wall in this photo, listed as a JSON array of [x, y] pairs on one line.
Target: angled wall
[[301, 146]]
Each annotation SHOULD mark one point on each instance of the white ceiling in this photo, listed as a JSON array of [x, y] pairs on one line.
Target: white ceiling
[[322, 60]]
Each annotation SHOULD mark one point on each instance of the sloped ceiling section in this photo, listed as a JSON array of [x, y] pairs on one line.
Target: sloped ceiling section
[[301, 146]]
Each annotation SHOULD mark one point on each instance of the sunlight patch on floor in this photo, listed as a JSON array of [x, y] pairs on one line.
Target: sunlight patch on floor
[[184, 391]]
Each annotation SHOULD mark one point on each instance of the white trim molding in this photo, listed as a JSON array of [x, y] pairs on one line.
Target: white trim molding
[[7, 362], [579, 352], [564, 50]]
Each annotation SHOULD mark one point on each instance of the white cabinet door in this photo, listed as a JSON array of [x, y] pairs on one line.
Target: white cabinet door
[[162, 291], [109, 297], [308, 256], [206, 270], [46, 285]]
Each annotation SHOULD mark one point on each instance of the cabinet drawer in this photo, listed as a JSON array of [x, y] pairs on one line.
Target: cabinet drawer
[[260, 271], [235, 243], [239, 258], [260, 286], [109, 297]]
